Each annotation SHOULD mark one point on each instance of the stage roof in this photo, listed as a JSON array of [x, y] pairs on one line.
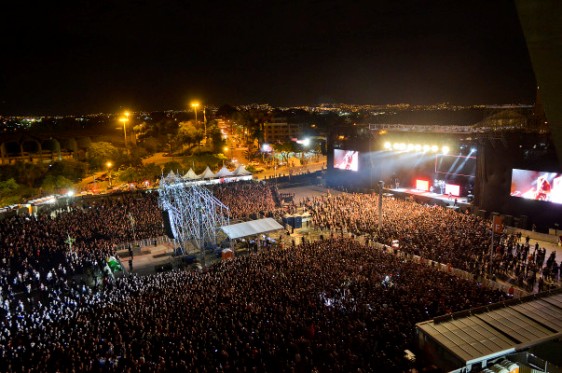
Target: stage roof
[[487, 333], [251, 228]]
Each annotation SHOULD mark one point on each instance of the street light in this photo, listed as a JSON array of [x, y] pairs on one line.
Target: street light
[[124, 120], [195, 105], [226, 151], [109, 165]]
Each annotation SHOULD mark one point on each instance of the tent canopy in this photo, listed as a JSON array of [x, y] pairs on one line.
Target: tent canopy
[[251, 228], [207, 174], [241, 170], [191, 175], [223, 172]]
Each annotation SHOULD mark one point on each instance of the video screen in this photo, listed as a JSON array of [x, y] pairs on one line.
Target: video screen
[[346, 159], [455, 165], [536, 185], [422, 185], [453, 189]]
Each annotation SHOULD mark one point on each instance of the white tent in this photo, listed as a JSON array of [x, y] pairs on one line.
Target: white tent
[[191, 175], [171, 175], [241, 171], [207, 174], [224, 172], [250, 228]]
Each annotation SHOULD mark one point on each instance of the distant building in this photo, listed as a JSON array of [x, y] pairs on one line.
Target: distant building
[[280, 130]]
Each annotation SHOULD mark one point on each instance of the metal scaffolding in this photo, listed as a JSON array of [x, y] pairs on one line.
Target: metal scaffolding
[[194, 213]]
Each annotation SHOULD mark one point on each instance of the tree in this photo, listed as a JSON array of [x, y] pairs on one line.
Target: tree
[[189, 134], [69, 144], [150, 171], [70, 169], [56, 183], [129, 175], [172, 166], [101, 152], [150, 144], [27, 174], [140, 131], [9, 192], [84, 142], [285, 149]]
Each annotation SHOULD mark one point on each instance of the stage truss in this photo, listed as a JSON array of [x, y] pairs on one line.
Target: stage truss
[[194, 213]]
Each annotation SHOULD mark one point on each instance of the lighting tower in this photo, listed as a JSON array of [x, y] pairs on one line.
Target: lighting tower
[[194, 213]]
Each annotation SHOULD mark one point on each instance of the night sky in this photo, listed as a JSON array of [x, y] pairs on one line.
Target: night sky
[[100, 56]]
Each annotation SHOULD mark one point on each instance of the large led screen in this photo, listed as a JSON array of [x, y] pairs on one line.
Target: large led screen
[[536, 185], [346, 159]]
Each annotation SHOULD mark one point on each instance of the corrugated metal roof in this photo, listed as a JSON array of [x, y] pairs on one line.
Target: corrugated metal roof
[[251, 228], [479, 335]]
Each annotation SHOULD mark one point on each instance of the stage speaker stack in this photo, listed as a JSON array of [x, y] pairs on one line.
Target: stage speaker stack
[[167, 224], [516, 222], [508, 220], [291, 221], [523, 221], [298, 222]]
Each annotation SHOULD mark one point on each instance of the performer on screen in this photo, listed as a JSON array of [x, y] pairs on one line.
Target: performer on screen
[[543, 189], [347, 161]]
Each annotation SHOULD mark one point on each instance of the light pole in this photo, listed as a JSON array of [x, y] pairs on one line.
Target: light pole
[[109, 165], [124, 120], [195, 105], [226, 148]]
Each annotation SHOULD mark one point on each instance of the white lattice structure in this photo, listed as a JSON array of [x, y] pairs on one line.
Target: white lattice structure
[[195, 214]]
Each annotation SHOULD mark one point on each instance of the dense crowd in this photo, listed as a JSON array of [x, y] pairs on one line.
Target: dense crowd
[[460, 239], [247, 200], [332, 305], [37, 251]]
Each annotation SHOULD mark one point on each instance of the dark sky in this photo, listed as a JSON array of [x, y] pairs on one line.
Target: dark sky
[[82, 56]]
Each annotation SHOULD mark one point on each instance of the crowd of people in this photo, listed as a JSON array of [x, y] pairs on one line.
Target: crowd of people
[[247, 200], [330, 305], [460, 239], [42, 254]]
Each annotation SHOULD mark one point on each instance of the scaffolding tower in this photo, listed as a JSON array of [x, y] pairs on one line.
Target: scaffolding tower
[[195, 214]]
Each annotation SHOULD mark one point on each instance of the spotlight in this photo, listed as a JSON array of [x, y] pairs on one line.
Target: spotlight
[[426, 148], [387, 145], [473, 150], [434, 148], [410, 147], [418, 147], [445, 149]]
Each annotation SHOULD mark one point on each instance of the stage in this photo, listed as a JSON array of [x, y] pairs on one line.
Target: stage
[[428, 197]]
